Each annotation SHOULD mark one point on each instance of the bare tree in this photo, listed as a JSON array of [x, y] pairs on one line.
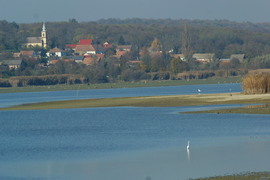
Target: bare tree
[[186, 43]]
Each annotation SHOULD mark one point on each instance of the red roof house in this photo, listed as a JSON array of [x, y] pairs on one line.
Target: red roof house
[[71, 46], [82, 49], [85, 42]]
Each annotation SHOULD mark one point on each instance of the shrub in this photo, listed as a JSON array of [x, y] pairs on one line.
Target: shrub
[[5, 83], [256, 83]]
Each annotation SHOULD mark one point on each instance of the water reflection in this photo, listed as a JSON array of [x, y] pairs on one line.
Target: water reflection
[[188, 152], [188, 155]]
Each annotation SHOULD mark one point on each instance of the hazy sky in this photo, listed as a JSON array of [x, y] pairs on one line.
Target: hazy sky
[[24, 11]]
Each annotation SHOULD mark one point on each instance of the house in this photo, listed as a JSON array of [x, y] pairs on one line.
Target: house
[[117, 56], [85, 49], [77, 59], [203, 57], [86, 42], [71, 46], [56, 52], [240, 57], [29, 54], [12, 64], [91, 60], [224, 60], [122, 50], [101, 56], [68, 60], [40, 41], [55, 61], [121, 53], [178, 56], [17, 55], [107, 45], [99, 49], [126, 48]]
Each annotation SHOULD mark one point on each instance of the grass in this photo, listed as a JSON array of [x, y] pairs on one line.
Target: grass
[[254, 109], [150, 101], [120, 85], [248, 176]]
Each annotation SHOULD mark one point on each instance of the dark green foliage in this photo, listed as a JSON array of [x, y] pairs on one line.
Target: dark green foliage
[[121, 41], [10, 37]]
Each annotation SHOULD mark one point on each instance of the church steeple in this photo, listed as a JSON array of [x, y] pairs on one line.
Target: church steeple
[[44, 36], [43, 27]]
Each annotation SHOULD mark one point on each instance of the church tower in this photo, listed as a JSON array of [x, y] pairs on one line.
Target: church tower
[[44, 36]]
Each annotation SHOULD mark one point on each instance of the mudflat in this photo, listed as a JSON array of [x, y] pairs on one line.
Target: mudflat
[[151, 101]]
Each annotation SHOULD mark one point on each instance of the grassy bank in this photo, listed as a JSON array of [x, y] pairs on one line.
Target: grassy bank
[[121, 85], [248, 176], [254, 109], [151, 101]]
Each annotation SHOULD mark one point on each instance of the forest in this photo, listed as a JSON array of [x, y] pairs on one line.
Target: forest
[[220, 37]]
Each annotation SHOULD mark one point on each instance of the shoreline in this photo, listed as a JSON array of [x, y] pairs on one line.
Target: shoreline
[[145, 83], [161, 101]]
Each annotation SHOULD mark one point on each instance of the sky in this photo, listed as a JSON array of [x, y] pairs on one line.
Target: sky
[[28, 11]]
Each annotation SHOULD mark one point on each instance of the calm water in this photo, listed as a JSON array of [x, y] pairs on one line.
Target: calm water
[[130, 143], [20, 98]]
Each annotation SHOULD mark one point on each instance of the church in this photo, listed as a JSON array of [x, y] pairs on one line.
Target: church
[[37, 41]]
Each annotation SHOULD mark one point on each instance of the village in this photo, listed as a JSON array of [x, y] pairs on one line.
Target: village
[[88, 53]]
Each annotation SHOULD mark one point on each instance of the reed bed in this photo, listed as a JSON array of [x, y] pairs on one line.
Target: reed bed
[[247, 176], [256, 83]]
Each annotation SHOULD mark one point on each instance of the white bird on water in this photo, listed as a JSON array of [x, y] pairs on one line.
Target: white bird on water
[[188, 146]]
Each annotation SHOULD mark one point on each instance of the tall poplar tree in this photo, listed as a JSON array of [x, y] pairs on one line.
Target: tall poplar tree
[[186, 43]]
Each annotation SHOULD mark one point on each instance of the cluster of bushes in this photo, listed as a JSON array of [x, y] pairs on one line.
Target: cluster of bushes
[[42, 80], [195, 75], [256, 83]]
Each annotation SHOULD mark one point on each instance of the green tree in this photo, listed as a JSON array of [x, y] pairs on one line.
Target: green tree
[[121, 41]]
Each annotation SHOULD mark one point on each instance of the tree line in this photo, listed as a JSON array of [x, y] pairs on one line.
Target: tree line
[[220, 37]]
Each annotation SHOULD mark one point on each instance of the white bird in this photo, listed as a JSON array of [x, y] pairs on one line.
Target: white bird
[[199, 90], [188, 146]]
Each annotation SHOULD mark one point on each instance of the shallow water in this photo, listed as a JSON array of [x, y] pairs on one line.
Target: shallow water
[[11, 99], [129, 142]]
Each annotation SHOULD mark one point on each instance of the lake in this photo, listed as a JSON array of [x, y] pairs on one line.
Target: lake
[[10, 99], [131, 143]]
